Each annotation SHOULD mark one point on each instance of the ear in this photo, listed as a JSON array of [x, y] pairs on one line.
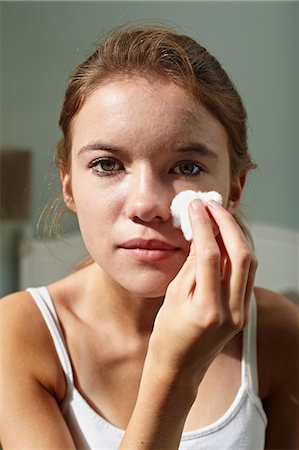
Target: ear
[[67, 190], [236, 191]]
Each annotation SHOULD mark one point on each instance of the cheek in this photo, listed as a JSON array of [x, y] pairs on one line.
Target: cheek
[[96, 219], [97, 213], [97, 207], [223, 183]]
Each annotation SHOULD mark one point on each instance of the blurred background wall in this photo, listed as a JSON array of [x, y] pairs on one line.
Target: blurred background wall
[[257, 42]]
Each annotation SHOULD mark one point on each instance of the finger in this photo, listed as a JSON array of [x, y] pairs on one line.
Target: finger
[[225, 266], [240, 257], [184, 281], [206, 252], [249, 288]]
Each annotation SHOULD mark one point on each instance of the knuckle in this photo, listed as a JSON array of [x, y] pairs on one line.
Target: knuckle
[[254, 262], [234, 322], [244, 257], [212, 320], [211, 255], [237, 321]]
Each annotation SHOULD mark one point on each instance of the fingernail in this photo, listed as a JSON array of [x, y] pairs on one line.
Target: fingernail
[[213, 204], [196, 204]]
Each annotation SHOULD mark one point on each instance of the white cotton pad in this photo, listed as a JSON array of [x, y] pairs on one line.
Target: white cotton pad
[[179, 208]]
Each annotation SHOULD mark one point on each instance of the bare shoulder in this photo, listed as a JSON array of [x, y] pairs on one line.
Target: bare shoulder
[[278, 367], [278, 339], [32, 377], [26, 343], [275, 309], [21, 318], [276, 313]]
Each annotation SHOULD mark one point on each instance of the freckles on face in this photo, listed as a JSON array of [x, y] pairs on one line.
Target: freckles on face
[[133, 141]]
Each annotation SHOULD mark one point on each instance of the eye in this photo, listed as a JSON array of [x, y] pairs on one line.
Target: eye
[[105, 166], [188, 168]]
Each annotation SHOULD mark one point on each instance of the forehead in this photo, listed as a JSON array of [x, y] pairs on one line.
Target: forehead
[[138, 112]]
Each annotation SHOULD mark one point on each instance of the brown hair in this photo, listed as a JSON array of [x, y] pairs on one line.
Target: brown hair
[[159, 52]]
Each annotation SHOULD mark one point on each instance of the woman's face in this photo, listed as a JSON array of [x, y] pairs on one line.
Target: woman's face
[[135, 145]]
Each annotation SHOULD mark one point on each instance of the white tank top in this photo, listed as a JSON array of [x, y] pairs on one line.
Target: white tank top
[[242, 426]]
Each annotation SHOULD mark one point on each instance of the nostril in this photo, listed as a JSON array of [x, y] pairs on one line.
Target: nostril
[[148, 205], [140, 220]]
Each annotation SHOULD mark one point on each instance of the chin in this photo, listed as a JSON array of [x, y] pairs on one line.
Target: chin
[[146, 281], [149, 286], [150, 292], [148, 289]]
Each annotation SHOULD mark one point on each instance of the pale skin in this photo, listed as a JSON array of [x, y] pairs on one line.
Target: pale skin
[[150, 155]]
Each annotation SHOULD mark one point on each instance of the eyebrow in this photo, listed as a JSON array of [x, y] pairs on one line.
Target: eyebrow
[[98, 146], [201, 149], [196, 147]]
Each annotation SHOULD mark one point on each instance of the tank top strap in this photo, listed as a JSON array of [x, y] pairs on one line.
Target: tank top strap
[[249, 358], [46, 306]]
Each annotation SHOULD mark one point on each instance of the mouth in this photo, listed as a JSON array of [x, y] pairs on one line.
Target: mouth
[[150, 250]]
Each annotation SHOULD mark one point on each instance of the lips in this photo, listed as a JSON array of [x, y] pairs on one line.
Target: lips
[[147, 244], [148, 250]]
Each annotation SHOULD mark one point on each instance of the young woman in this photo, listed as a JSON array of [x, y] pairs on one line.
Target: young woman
[[156, 343]]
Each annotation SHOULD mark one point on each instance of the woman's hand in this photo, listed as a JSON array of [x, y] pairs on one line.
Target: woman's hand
[[207, 303], [204, 307]]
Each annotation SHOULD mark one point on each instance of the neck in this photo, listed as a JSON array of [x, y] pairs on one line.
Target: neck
[[133, 313]]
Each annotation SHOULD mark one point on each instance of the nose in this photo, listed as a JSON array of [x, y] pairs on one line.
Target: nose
[[148, 198]]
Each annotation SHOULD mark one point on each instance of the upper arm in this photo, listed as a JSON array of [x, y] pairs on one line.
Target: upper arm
[[30, 415], [279, 363], [283, 418]]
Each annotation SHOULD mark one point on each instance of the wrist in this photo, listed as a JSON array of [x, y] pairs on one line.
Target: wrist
[[169, 379], [164, 400]]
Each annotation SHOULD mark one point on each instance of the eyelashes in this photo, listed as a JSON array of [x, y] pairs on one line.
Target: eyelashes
[[188, 168], [107, 166]]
